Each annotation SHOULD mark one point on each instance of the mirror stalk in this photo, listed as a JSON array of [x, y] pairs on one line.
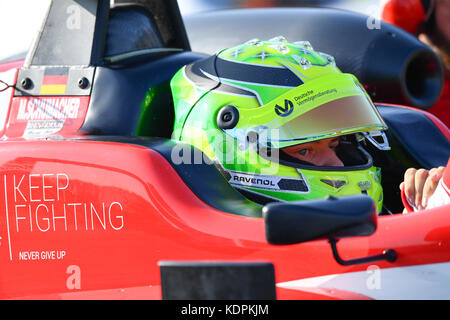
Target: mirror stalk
[[388, 255]]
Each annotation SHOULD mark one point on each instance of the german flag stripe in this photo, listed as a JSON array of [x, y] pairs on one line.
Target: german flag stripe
[[53, 89], [56, 71], [54, 80]]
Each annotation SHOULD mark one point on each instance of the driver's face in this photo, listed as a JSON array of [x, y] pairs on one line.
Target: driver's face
[[319, 153]]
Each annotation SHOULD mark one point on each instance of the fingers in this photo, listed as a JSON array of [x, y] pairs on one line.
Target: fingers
[[420, 184], [431, 184], [410, 185]]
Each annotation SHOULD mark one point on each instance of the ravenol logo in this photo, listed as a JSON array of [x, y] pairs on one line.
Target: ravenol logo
[[287, 110]]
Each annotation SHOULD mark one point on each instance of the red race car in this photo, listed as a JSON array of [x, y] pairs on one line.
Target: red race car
[[94, 207]]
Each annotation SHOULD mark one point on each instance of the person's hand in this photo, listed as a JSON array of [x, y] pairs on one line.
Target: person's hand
[[420, 184]]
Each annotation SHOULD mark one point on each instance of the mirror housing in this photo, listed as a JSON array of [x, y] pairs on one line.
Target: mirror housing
[[330, 218]]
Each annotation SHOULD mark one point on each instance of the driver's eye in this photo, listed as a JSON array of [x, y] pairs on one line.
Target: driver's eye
[[334, 144], [302, 152]]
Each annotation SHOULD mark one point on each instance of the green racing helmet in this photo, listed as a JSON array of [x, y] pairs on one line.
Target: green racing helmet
[[243, 105]]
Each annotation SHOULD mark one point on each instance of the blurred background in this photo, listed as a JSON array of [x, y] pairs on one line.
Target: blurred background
[[20, 20], [196, 6]]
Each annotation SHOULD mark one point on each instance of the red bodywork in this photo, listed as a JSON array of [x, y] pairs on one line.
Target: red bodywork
[[95, 223]]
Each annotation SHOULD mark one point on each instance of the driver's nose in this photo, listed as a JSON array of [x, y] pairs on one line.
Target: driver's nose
[[326, 156]]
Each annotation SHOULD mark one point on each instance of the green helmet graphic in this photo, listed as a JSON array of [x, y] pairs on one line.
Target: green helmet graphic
[[242, 106]]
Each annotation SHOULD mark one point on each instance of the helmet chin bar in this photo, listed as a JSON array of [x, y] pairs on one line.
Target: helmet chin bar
[[378, 139]]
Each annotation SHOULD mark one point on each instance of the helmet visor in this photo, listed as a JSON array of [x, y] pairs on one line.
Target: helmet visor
[[335, 106]]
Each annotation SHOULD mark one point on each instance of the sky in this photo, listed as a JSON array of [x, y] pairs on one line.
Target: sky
[[20, 20]]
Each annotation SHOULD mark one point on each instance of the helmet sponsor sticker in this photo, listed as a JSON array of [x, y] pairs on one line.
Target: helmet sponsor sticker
[[287, 110], [306, 97], [267, 182]]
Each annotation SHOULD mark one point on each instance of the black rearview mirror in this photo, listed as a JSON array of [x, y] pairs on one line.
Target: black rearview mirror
[[331, 218], [300, 221]]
